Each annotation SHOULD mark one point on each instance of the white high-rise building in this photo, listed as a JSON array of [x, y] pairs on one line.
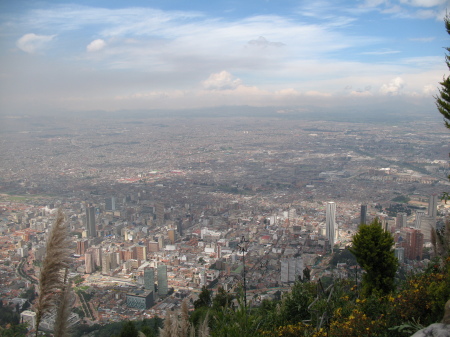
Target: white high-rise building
[[89, 263], [419, 217], [432, 206], [291, 270], [331, 222]]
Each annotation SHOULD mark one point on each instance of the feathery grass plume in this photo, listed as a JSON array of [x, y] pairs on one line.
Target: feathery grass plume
[[165, 331], [184, 323], [57, 258], [446, 318], [203, 330], [61, 326], [440, 240], [175, 326], [191, 330], [434, 241]]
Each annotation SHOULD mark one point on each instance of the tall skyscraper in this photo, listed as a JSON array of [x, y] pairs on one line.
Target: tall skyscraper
[[363, 219], [90, 221], [291, 270], [106, 263], [89, 263], [141, 252], [171, 235], [180, 228], [163, 287], [331, 222], [419, 216], [82, 246], [432, 206], [110, 204], [97, 256], [401, 220], [159, 211], [413, 243], [149, 279]]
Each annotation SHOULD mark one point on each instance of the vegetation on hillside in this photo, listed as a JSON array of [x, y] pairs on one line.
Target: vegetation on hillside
[[374, 307]]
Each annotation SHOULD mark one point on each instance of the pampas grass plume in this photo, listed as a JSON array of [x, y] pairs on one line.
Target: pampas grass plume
[[57, 259], [61, 327]]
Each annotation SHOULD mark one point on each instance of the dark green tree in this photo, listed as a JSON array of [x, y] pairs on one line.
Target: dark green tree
[[373, 249], [306, 274], [222, 299], [294, 307], [148, 332], [19, 330], [204, 299], [443, 98], [128, 330]]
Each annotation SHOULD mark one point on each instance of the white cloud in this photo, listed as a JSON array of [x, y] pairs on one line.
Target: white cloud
[[423, 3], [375, 3], [430, 89], [263, 42], [96, 45], [291, 61], [317, 94], [32, 43], [394, 87], [221, 81], [381, 52], [360, 93]]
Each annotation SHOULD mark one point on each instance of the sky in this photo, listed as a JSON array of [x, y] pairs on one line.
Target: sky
[[178, 54]]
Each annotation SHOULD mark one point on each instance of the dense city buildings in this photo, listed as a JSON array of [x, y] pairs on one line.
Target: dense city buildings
[[157, 207]]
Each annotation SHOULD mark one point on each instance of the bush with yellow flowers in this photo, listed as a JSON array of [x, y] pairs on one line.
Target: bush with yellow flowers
[[418, 301], [356, 325], [290, 330], [422, 297]]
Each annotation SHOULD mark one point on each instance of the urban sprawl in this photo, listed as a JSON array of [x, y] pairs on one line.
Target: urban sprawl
[[157, 208]]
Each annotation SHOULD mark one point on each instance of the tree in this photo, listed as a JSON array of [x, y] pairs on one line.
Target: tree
[[373, 249], [443, 98], [204, 299], [148, 332], [294, 305], [128, 330], [222, 299]]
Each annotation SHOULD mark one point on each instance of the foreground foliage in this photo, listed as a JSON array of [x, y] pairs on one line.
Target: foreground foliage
[[373, 249], [374, 307]]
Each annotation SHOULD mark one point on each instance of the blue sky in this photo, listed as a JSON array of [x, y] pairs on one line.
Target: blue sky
[[115, 55]]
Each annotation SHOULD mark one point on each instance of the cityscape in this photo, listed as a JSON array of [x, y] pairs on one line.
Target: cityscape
[[158, 208]]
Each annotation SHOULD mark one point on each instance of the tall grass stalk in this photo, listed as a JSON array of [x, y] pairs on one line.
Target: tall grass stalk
[[57, 259]]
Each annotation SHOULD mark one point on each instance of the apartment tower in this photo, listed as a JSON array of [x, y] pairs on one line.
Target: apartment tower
[[331, 222]]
